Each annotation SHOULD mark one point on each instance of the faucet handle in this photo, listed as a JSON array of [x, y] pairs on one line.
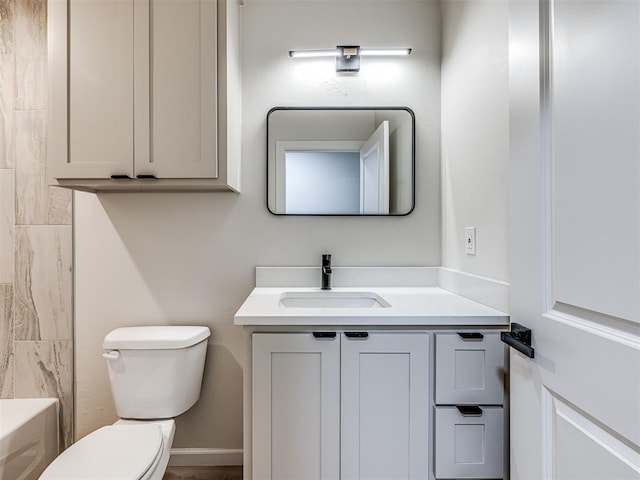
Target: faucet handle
[[326, 271]]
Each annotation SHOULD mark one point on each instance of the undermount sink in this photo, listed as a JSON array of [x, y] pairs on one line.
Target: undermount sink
[[329, 299]]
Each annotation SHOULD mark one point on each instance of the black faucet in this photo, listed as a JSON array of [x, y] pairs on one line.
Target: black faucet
[[326, 271]]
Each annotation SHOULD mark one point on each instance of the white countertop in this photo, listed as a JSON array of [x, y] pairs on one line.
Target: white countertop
[[408, 306]]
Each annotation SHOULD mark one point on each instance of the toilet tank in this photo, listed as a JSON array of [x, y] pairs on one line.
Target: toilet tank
[[155, 372]]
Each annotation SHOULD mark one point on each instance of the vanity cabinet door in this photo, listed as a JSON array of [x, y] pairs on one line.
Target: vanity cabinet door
[[385, 399], [296, 406]]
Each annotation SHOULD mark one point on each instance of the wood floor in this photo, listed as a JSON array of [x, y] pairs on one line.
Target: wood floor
[[204, 473]]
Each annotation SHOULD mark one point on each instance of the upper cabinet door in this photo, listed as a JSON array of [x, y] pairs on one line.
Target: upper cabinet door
[[176, 90], [385, 406], [91, 88]]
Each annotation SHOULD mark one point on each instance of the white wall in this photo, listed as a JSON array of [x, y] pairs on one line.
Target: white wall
[[321, 182], [475, 134], [172, 258]]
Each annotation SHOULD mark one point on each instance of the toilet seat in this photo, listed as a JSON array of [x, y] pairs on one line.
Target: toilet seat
[[115, 452]]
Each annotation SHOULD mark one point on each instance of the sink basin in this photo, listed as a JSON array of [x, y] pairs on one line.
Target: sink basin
[[328, 299]]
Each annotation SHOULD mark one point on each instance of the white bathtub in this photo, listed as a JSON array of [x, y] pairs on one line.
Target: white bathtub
[[28, 437]]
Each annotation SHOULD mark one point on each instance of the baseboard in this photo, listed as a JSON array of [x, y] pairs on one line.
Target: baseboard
[[489, 292], [197, 457]]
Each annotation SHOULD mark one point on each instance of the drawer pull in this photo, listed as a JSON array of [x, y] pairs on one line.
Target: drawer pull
[[469, 410], [324, 334], [471, 335], [357, 335], [147, 177], [121, 177], [519, 338]]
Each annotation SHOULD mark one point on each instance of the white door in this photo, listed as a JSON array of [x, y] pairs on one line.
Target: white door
[[575, 228], [374, 172], [385, 406], [296, 406]]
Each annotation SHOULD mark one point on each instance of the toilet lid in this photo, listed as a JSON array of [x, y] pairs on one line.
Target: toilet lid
[[116, 452]]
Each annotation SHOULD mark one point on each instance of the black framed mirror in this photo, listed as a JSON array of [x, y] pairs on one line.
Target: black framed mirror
[[340, 160]]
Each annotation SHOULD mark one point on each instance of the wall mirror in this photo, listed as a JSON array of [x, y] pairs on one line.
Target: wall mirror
[[340, 161]]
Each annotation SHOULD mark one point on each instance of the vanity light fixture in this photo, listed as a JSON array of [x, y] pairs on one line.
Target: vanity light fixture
[[348, 56]]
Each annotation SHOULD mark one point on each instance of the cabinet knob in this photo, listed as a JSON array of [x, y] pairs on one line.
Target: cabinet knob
[[471, 335], [324, 334], [469, 410], [357, 335]]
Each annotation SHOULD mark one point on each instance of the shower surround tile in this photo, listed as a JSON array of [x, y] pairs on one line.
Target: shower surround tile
[[7, 96], [6, 226], [36, 202], [6, 26], [44, 369], [30, 37], [7, 93], [6, 341], [43, 283]]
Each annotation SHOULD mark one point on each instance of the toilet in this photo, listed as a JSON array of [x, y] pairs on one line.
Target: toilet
[[155, 375]]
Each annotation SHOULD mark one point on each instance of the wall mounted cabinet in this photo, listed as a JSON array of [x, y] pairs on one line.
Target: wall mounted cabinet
[[144, 95]]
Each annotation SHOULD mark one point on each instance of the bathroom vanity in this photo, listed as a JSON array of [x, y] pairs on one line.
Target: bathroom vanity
[[375, 381]]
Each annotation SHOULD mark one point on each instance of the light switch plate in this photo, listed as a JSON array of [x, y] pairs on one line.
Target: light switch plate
[[470, 240]]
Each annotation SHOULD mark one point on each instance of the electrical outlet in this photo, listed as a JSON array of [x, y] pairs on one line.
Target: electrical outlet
[[470, 240]]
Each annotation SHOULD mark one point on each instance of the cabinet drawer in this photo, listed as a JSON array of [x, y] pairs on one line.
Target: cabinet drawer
[[469, 446], [469, 370]]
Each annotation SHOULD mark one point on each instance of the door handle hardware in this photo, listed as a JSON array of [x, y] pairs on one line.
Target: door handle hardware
[[471, 335], [324, 334], [519, 338], [121, 177], [360, 335], [469, 410], [146, 177]]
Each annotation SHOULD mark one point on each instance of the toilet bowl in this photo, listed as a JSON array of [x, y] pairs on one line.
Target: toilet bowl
[[126, 450], [155, 375]]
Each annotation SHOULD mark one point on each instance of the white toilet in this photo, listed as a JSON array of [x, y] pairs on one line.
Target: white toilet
[[155, 374]]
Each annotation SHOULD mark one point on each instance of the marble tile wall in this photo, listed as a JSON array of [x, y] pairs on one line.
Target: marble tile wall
[[45, 369], [6, 341], [6, 226], [42, 307], [36, 202], [36, 309], [30, 36], [7, 93]]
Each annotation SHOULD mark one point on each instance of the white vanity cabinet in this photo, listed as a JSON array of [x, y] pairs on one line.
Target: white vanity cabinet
[[296, 406], [411, 386], [469, 405], [349, 405], [143, 95]]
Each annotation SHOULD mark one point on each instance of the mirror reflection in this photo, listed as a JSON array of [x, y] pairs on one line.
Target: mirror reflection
[[340, 161]]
